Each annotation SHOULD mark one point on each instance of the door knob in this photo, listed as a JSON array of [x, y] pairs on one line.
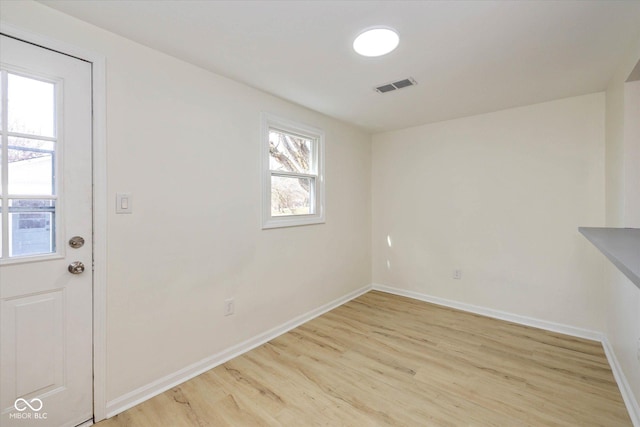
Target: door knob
[[76, 267]]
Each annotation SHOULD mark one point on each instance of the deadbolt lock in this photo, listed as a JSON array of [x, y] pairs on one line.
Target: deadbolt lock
[[76, 242]]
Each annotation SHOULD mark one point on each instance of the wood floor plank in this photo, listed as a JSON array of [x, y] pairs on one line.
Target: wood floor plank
[[385, 360]]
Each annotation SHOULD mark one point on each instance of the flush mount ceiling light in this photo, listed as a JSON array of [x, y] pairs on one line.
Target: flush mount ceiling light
[[376, 42]]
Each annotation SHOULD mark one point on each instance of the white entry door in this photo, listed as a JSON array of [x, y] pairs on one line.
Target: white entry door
[[46, 238]]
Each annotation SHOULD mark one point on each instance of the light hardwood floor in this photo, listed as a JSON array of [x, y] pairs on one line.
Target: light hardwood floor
[[387, 360]]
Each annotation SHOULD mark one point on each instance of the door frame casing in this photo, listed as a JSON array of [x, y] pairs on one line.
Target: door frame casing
[[99, 176]]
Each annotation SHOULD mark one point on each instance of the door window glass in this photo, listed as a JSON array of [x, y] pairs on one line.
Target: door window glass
[[28, 166]]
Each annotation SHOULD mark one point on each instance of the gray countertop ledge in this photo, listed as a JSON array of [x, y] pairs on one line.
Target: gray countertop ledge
[[620, 245]]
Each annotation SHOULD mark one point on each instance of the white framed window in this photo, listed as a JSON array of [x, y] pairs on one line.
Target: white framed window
[[293, 173]]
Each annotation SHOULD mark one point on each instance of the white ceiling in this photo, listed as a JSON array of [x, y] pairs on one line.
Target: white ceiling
[[468, 57]]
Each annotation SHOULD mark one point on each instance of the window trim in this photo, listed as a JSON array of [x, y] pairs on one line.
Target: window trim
[[57, 153], [270, 121]]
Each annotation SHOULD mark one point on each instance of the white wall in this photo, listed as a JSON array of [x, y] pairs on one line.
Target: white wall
[[632, 154], [499, 196], [623, 192], [185, 142]]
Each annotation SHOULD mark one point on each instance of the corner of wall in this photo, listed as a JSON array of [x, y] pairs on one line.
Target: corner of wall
[[622, 329]]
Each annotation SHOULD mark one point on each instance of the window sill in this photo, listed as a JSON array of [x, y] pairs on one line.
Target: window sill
[[292, 221]]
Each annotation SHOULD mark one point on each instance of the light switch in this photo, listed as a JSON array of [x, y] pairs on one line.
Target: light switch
[[124, 203]]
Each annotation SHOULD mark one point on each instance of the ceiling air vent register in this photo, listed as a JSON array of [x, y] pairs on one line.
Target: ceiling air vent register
[[389, 87]]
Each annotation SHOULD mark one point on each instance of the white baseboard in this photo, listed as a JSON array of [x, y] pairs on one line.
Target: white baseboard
[[497, 314], [150, 390], [625, 389]]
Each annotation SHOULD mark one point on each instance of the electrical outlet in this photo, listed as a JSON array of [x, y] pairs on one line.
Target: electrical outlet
[[229, 306], [457, 274]]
